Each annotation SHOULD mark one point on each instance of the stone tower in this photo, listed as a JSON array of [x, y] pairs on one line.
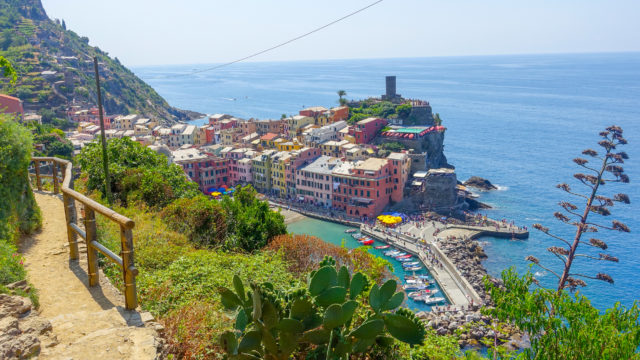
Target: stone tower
[[391, 87], [391, 90]]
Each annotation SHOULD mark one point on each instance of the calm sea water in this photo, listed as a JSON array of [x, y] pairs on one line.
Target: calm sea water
[[516, 120]]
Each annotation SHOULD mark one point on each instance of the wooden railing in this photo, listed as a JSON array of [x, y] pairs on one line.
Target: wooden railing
[[55, 167]]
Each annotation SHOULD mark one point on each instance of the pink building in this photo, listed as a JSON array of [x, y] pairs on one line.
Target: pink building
[[203, 168], [299, 158], [365, 130], [314, 182], [363, 188], [238, 173], [244, 174]]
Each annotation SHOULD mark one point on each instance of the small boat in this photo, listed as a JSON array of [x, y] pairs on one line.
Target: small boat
[[415, 282], [392, 253], [356, 236], [422, 293], [350, 231], [412, 263], [430, 300], [403, 256], [366, 242], [381, 247], [405, 259], [411, 287], [421, 277], [415, 268]]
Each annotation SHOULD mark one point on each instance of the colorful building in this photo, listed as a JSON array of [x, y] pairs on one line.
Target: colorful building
[[203, 168], [261, 171], [365, 130], [299, 158], [279, 162], [363, 188], [314, 182]]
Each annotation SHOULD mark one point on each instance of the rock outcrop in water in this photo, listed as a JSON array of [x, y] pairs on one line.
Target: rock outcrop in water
[[480, 183]]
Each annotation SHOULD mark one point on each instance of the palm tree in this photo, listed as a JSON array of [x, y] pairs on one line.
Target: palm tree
[[342, 93]]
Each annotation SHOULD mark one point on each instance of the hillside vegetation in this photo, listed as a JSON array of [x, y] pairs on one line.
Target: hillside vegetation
[[34, 44]]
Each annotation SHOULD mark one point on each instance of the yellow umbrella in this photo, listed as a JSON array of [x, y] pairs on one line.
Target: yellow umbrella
[[215, 193]]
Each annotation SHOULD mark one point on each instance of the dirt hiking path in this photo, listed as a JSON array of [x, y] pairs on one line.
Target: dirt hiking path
[[88, 323]]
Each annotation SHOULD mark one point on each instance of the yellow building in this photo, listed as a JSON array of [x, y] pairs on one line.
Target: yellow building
[[261, 169], [279, 163], [288, 145], [297, 122]]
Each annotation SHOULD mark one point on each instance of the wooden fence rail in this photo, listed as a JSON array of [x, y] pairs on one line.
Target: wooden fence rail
[[59, 171]]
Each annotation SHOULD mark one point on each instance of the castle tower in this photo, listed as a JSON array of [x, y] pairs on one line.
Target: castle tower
[[391, 87]]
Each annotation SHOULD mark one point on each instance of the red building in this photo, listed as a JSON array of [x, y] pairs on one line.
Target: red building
[[203, 168], [365, 130], [11, 105]]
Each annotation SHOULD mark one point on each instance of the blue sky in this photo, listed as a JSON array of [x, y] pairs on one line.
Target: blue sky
[[155, 32]]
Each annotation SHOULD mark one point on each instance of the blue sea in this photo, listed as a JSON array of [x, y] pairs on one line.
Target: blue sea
[[515, 120]]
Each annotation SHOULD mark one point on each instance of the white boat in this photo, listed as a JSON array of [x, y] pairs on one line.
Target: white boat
[[409, 287], [414, 268], [423, 293], [430, 300], [410, 264], [392, 253]]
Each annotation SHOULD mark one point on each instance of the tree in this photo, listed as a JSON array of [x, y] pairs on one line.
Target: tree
[[64, 25], [610, 164], [250, 222], [202, 220], [341, 94], [271, 324], [137, 173], [562, 325], [437, 120]]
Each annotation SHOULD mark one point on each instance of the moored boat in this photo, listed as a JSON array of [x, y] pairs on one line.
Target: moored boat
[[403, 256], [411, 264], [414, 287], [381, 247], [367, 242], [350, 231], [405, 259], [430, 300], [415, 268], [392, 253], [422, 293]]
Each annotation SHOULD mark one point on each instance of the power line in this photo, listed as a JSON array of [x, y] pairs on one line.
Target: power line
[[284, 43]]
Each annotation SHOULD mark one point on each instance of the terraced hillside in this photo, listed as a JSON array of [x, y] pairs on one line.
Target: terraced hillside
[[55, 68]]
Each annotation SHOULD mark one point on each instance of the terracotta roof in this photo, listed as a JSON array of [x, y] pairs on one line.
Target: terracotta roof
[[10, 104], [269, 136]]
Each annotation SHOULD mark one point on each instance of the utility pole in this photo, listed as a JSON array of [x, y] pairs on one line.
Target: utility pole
[[105, 156]]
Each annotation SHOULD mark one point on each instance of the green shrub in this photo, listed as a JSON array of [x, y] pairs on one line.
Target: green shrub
[[202, 220], [137, 173], [18, 209], [11, 269]]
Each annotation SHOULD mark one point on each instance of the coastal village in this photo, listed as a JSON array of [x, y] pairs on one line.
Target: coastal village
[[313, 158], [317, 164]]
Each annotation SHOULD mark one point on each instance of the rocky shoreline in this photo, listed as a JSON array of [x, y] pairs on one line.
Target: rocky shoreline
[[472, 327]]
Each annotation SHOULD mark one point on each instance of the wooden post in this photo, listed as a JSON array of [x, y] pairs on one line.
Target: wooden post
[[69, 214], [54, 171], [38, 181], [130, 272], [92, 254]]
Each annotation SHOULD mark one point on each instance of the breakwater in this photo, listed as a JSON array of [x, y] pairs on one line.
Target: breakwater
[[457, 290]]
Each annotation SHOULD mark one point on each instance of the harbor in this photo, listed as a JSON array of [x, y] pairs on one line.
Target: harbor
[[425, 242]]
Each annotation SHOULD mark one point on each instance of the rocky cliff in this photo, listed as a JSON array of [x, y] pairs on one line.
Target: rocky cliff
[[55, 68]]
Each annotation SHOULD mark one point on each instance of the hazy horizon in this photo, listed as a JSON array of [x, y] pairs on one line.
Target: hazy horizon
[[162, 32], [390, 58]]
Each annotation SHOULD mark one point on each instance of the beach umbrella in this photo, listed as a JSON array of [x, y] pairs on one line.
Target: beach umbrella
[[215, 194]]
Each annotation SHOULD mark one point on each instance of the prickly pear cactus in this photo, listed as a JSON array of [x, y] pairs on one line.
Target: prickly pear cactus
[[272, 324]]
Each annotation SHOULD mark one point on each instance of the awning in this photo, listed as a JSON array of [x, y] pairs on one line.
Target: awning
[[362, 200]]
